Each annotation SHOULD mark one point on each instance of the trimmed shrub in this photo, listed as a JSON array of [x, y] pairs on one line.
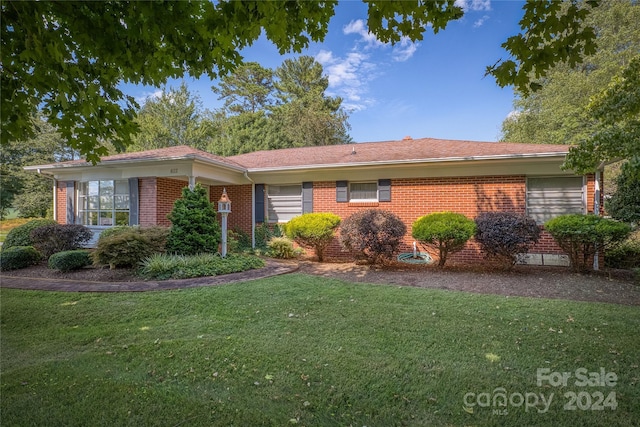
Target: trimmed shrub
[[69, 260], [506, 235], [625, 256], [282, 247], [264, 233], [122, 250], [21, 235], [313, 230], [446, 232], [238, 240], [194, 225], [372, 234], [19, 257], [50, 239], [157, 235], [112, 231], [581, 235], [165, 266]]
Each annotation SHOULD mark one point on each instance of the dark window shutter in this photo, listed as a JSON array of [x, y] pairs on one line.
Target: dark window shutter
[[342, 190], [259, 204], [134, 204], [384, 190], [307, 197], [70, 198]]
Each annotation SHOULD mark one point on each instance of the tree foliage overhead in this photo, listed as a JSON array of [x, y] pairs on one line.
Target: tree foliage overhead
[[617, 134], [558, 112], [68, 58]]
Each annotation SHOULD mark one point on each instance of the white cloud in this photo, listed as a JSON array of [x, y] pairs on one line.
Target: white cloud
[[405, 50], [474, 5], [144, 96], [348, 77], [359, 27], [480, 22]]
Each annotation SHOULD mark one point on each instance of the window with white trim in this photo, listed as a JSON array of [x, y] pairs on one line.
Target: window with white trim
[[283, 202], [363, 191], [103, 203], [549, 197]]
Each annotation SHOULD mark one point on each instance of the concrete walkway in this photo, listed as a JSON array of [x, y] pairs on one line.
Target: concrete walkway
[[44, 284]]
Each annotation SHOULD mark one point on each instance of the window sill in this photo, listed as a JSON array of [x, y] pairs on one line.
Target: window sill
[[364, 204]]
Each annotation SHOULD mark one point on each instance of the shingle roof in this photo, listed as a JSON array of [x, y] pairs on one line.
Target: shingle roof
[[169, 153], [406, 150]]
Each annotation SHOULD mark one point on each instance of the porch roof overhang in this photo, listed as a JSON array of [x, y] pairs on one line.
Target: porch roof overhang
[[520, 164], [192, 165]]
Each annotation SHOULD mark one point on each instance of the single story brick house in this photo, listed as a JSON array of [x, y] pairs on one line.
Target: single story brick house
[[410, 177]]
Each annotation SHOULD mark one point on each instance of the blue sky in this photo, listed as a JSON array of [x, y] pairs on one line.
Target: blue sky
[[433, 88]]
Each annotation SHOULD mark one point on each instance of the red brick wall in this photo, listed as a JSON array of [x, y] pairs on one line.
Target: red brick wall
[[240, 196], [413, 198], [147, 191], [169, 190], [61, 202]]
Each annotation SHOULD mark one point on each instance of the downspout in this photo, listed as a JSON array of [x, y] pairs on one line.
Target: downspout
[[596, 211], [253, 210]]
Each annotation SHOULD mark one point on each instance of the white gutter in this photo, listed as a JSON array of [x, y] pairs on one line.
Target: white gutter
[[111, 163], [411, 161], [253, 210]]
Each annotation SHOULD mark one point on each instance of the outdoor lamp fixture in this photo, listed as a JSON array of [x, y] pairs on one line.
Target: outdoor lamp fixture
[[224, 208]]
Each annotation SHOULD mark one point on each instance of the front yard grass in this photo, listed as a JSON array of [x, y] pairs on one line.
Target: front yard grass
[[304, 350]]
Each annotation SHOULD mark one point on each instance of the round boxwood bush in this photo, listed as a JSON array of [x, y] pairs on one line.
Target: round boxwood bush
[[282, 247], [21, 235], [580, 236], [313, 230], [19, 257], [506, 235], [446, 232], [372, 234], [69, 260]]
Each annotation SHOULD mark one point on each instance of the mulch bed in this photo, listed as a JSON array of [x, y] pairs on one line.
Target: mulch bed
[[540, 282]]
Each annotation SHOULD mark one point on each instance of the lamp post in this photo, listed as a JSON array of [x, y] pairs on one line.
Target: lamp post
[[224, 208]]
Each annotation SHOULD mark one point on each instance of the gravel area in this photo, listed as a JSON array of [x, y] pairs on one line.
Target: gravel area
[[540, 282]]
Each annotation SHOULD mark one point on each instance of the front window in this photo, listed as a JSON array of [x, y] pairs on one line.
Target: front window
[[284, 202], [363, 192], [103, 203]]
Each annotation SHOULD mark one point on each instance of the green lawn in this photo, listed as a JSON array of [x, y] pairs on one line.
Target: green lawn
[[302, 350]]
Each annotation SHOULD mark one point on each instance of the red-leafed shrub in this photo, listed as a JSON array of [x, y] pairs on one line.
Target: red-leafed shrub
[[51, 239], [506, 235], [373, 234]]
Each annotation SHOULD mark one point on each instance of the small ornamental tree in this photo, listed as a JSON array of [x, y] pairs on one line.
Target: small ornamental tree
[[372, 234], [313, 230], [580, 236], [506, 235], [194, 225], [446, 232]]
